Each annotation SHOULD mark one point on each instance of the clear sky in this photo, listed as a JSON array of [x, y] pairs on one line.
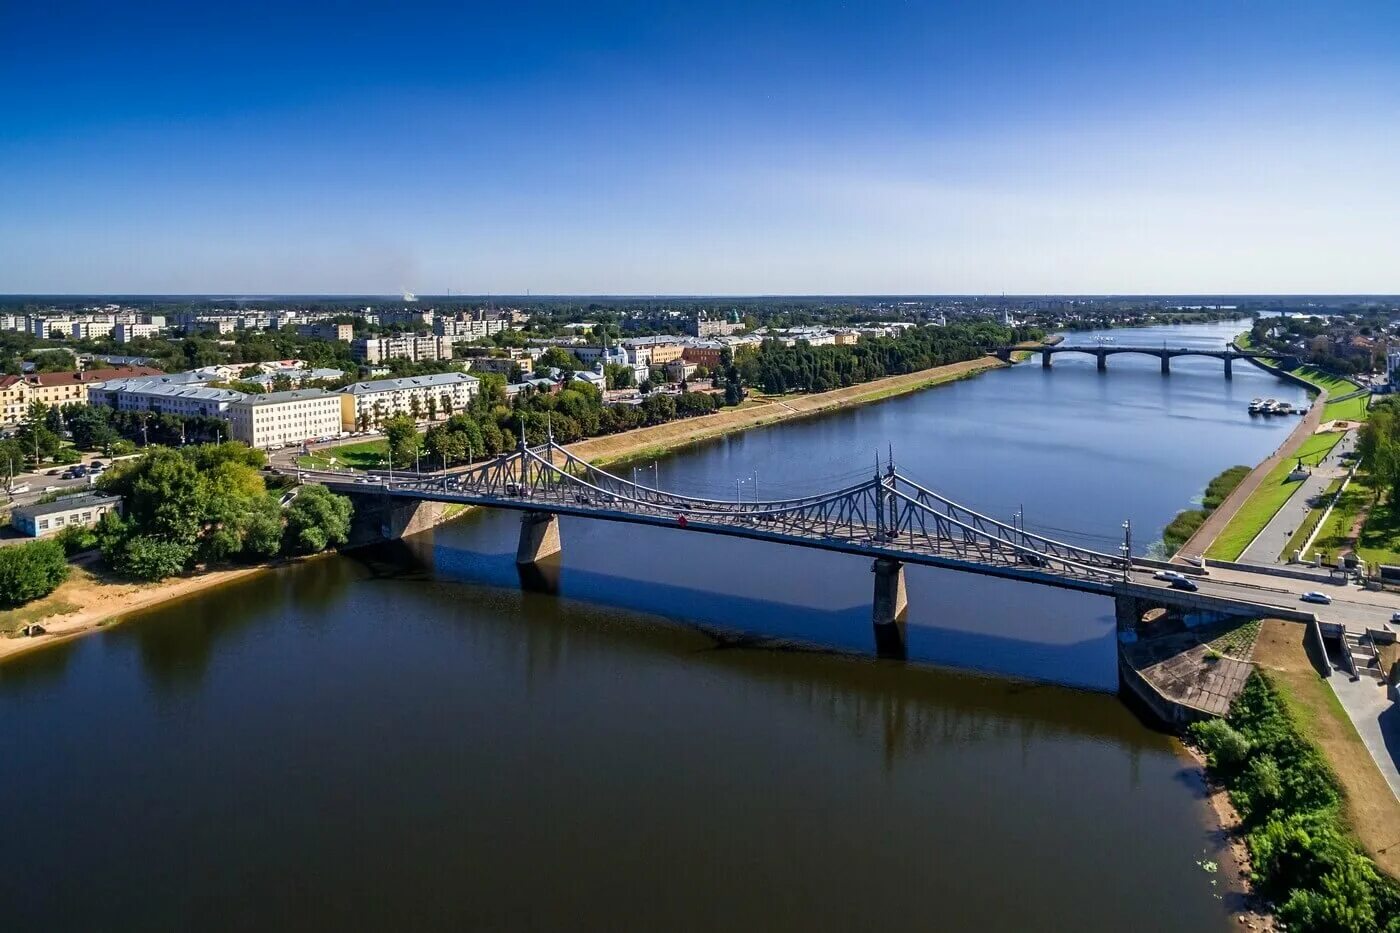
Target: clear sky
[[701, 148]]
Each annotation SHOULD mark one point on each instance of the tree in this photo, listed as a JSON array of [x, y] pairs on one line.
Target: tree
[[317, 519], [143, 557], [415, 408], [30, 571], [362, 421], [559, 358], [404, 441], [432, 408]]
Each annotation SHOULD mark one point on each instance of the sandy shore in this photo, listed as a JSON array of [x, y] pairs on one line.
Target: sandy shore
[[87, 602]]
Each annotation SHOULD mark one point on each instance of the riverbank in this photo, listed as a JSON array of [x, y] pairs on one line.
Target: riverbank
[[663, 438], [91, 600]]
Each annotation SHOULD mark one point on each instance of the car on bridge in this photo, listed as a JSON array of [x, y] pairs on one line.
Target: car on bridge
[[1181, 583], [1168, 575], [1313, 596]]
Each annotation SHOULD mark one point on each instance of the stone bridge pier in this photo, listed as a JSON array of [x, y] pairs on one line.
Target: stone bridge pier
[[1229, 367], [1102, 360], [539, 538], [889, 608], [1166, 364], [381, 517], [1045, 356]]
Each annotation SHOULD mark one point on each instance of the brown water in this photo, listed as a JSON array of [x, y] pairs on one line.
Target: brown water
[[404, 739]]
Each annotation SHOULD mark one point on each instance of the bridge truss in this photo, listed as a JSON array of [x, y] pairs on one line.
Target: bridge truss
[[887, 515]]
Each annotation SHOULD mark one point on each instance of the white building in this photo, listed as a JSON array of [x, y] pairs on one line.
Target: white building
[[281, 418], [163, 397], [50, 518], [125, 333], [372, 402], [407, 346]]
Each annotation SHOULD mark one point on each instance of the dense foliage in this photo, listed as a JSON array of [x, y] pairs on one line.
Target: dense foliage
[[1379, 445], [1288, 798], [29, 571], [1181, 528], [802, 367], [205, 503]]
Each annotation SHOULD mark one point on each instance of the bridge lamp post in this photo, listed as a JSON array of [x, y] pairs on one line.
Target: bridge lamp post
[[1127, 546]]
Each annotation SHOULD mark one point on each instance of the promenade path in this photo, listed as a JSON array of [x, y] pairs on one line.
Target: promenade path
[[1195, 546], [1268, 547]]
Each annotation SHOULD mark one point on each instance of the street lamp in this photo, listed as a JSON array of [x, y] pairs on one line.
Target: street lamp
[[1127, 546]]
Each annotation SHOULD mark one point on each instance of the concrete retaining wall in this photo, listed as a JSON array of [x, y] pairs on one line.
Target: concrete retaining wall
[[1274, 571]]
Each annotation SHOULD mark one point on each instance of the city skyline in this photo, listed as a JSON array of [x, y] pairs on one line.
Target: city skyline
[[664, 150]]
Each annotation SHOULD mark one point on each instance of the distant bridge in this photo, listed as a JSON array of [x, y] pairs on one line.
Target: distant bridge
[[888, 518], [1165, 354]]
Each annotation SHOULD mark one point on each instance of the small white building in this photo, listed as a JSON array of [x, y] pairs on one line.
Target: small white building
[[50, 518], [281, 418], [372, 402]]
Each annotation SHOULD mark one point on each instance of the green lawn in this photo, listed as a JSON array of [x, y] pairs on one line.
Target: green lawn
[[1335, 385], [1265, 502], [366, 455], [1353, 409]]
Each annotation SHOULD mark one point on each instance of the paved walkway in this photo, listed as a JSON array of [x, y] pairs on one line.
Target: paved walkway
[[1377, 719], [1268, 547], [1195, 546]]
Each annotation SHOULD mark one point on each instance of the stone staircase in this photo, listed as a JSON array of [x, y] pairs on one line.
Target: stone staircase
[[1366, 661]]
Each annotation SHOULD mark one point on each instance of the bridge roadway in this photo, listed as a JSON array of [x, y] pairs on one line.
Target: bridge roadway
[[888, 519], [1103, 351]]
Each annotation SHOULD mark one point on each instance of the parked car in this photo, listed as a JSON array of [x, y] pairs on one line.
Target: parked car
[[1181, 583], [1313, 596], [1395, 617], [97, 465], [19, 489]]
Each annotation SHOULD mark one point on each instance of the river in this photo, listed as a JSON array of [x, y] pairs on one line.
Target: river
[[691, 735]]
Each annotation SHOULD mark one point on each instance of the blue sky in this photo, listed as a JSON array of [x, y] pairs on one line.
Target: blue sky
[[749, 148]]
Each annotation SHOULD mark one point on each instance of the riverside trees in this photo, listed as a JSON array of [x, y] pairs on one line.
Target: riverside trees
[[206, 504]]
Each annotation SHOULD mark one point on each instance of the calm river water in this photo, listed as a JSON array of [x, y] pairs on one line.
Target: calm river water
[[403, 739]]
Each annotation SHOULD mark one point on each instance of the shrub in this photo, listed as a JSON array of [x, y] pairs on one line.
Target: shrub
[[317, 519], [76, 538], [142, 557], [30, 571], [1224, 746]]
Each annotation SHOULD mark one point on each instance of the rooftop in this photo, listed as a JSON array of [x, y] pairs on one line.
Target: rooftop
[[64, 504], [411, 382], [292, 395], [90, 376]]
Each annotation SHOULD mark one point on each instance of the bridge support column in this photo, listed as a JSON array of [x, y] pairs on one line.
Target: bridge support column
[[1103, 361], [1166, 365], [1229, 367], [889, 608], [539, 537], [1127, 611], [1045, 358]]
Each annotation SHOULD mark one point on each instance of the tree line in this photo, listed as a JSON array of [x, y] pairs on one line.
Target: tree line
[[805, 368]]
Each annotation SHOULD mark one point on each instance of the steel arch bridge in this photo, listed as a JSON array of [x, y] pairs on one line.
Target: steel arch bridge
[[887, 517]]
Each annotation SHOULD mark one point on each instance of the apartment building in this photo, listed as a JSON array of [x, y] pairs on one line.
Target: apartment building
[[281, 418], [328, 330], [14, 400], [407, 346], [372, 402], [62, 388], [125, 333], [165, 398]]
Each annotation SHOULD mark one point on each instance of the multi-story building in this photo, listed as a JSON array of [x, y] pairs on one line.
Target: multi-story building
[[14, 399], [707, 353], [371, 402], [125, 333], [50, 518], [166, 398], [503, 365], [328, 330], [407, 346], [281, 418], [469, 327], [51, 328], [406, 318], [62, 388], [704, 326], [91, 329], [662, 349]]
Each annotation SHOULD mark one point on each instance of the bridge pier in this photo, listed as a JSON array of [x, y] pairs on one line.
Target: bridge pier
[[1166, 365], [1045, 359], [539, 538], [889, 608], [1229, 367], [1103, 361]]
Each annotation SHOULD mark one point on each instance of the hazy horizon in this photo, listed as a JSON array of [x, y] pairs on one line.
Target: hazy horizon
[[735, 149]]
